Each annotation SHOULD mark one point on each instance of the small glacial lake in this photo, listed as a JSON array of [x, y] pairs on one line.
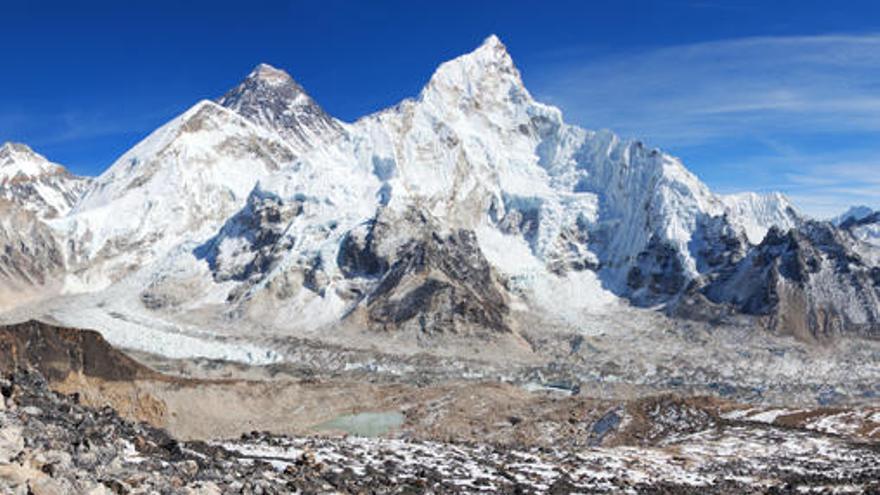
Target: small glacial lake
[[367, 424]]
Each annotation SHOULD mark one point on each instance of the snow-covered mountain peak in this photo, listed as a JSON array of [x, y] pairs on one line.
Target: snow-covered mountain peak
[[269, 97], [30, 181], [854, 213], [18, 161], [9, 148], [180, 183], [484, 76], [492, 50], [271, 75]]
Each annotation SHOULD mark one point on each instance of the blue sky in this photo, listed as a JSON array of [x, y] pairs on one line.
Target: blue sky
[[751, 95]]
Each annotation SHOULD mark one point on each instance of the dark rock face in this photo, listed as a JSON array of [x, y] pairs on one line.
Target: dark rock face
[[57, 351], [808, 281], [30, 255], [437, 285], [717, 245], [657, 275], [260, 227], [357, 255]]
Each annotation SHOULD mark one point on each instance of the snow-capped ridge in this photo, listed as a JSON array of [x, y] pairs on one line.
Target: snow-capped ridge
[[178, 185], [755, 213], [200, 117]]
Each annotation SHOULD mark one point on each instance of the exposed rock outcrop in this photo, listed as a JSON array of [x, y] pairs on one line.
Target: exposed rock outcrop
[[439, 284], [57, 352], [810, 282]]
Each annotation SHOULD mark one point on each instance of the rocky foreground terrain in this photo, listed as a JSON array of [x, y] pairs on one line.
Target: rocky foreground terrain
[[52, 443]]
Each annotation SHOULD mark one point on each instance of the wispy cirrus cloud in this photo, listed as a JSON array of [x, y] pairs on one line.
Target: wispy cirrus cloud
[[784, 111]]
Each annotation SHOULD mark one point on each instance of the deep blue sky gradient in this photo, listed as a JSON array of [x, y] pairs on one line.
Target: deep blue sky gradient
[[83, 81]]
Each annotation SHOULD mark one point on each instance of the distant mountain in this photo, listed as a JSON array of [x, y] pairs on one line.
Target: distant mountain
[[864, 225], [30, 181], [465, 210], [33, 191], [854, 213]]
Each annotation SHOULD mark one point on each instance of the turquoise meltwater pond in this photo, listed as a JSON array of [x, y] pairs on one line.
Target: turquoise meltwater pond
[[367, 424]]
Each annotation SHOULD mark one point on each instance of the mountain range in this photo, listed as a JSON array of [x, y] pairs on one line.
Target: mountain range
[[469, 210]]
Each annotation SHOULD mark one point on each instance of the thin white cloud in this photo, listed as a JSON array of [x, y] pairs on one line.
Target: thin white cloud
[[665, 92], [786, 95]]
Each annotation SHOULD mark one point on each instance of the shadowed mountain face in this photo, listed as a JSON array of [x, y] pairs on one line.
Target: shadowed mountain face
[[57, 352]]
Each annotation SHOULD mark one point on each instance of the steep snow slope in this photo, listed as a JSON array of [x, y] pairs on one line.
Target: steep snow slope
[[756, 213], [32, 182], [180, 183]]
